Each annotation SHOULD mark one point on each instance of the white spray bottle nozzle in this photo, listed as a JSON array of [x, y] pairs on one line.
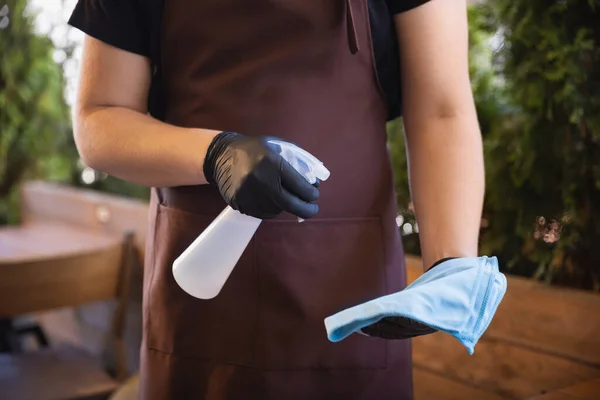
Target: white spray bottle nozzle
[[304, 162], [204, 267]]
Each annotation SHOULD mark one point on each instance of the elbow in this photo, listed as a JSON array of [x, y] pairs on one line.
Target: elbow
[[89, 158], [449, 111], [442, 102], [88, 140], [459, 105], [453, 120]]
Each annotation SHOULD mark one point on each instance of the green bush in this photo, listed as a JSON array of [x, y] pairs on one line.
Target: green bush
[[35, 138], [543, 155]]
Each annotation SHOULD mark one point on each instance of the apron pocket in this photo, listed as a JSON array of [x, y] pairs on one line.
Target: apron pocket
[[308, 271], [220, 329]]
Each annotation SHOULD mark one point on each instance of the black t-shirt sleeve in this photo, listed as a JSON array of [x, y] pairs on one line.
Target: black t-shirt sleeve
[[400, 6], [115, 22]]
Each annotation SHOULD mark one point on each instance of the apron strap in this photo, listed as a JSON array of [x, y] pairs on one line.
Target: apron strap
[[153, 17], [352, 35]]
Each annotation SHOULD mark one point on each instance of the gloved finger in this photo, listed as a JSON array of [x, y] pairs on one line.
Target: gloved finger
[[440, 261], [384, 331], [296, 184], [397, 328], [296, 206], [317, 183]]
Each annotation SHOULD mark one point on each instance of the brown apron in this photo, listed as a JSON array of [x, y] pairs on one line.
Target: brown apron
[[302, 70]]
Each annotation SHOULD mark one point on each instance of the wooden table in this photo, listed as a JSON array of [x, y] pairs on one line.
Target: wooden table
[[543, 344], [589, 390], [50, 239], [47, 240]]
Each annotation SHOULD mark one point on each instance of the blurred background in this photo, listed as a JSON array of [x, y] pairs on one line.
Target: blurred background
[[535, 69]]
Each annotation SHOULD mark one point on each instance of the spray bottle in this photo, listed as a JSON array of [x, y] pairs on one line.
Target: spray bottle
[[204, 267]]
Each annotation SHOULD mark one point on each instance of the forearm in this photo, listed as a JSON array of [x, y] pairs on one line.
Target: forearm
[[447, 184], [140, 149]]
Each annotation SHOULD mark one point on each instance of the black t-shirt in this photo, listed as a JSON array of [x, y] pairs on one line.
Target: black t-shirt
[[131, 24], [120, 23]]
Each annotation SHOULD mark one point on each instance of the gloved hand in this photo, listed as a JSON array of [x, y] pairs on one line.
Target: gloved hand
[[255, 180], [400, 327]]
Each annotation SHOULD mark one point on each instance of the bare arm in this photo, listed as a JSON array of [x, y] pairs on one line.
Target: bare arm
[[113, 132], [442, 131]]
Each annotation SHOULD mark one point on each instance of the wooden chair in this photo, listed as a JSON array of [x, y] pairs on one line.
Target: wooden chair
[[104, 214], [70, 281]]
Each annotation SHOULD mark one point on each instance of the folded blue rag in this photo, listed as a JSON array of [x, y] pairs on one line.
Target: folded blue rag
[[459, 297]]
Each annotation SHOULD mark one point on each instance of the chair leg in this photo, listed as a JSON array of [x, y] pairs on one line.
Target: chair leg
[[9, 341], [5, 330], [36, 331]]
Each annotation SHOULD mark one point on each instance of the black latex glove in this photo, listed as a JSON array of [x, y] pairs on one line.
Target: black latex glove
[[255, 180], [400, 327]]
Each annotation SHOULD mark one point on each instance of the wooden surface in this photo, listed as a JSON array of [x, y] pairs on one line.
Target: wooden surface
[[589, 390], [94, 211], [45, 265], [558, 321], [433, 386], [557, 396], [500, 367], [542, 340], [47, 240], [62, 278]]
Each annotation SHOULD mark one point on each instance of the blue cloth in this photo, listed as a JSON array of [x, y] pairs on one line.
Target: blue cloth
[[459, 297]]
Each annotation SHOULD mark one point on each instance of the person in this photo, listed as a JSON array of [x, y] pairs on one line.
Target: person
[[231, 74]]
